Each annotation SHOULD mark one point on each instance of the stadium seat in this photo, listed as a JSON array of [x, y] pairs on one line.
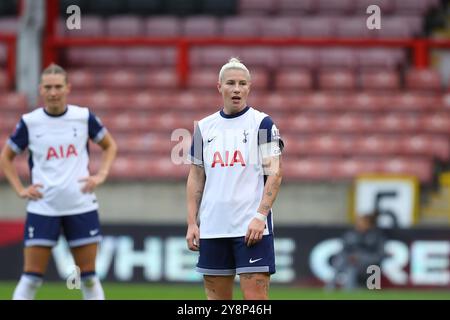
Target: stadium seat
[[260, 79], [337, 58], [13, 102], [436, 123], [149, 57], [256, 7], [395, 27], [293, 80], [202, 79], [201, 26], [319, 26], [121, 79], [242, 26], [365, 101], [162, 26], [94, 57], [83, 79], [260, 57], [380, 58], [298, 57], [280, 27], [214, 56], [124, 26], [166, 78], [421, 168], [336, 79], [423, 79], [381, 80], [353, 27]]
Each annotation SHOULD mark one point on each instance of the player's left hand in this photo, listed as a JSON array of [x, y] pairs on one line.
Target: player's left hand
[[254, 232], [91, 182]]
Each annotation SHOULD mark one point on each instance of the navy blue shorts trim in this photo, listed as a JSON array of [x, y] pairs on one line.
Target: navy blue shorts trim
[[230, 256], [79, 229]]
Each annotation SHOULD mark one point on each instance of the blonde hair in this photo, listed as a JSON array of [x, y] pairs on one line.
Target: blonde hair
[[233, 63], [53, 68]]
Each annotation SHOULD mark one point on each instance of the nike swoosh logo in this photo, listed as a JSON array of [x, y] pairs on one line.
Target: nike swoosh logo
[[209, 140], [39, 135], [253, 261], [93, 232]]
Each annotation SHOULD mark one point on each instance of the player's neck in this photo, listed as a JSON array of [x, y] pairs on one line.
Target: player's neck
[[56, 111]]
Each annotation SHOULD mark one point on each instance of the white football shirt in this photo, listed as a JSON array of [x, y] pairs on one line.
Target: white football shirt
[[58, 158], [230, 149]]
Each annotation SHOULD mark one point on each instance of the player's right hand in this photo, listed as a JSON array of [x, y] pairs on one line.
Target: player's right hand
[[31, 192], [193, 237]]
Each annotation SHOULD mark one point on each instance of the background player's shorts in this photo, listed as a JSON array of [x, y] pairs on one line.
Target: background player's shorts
[[78, 229], [230, 256]]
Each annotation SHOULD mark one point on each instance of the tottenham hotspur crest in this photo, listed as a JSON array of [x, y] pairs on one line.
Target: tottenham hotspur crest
[[245, 136]]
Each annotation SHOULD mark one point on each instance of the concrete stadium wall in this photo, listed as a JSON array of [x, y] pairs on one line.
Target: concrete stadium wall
[[304, 203]]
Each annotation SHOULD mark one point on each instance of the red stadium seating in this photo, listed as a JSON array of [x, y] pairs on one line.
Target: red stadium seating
[[280, 27], [242, 26], [423, 80], [293, 80], [124, 26], [384, 80], [201, 26], [337, 79], [167, 26]]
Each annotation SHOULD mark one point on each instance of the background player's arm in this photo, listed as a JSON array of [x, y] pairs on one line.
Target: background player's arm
[[194, 193], [272, 168], [109, 148], [6, 163]]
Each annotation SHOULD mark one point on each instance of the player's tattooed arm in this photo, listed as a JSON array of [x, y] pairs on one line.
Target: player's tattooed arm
[[272, 185]]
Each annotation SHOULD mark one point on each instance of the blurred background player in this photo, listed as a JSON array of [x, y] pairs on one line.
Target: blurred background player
[[232, 191], [361, 247], [61, 194]]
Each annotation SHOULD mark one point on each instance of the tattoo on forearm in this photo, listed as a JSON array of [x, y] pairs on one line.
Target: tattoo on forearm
[[269, 193]]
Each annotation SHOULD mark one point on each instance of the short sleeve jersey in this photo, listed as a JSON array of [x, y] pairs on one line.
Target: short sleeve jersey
[[230, 148], [58, 157]]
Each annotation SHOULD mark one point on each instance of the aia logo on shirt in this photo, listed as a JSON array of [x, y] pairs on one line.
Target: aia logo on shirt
[[61, 152], [226, 160]]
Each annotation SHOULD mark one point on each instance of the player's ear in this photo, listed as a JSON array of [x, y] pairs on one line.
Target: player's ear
[[69, 87], [219, 86]]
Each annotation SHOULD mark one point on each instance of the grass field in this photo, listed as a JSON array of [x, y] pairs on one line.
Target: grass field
[[118, 291]]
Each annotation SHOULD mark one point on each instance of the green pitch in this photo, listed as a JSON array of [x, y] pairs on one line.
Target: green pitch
[[58, 290]]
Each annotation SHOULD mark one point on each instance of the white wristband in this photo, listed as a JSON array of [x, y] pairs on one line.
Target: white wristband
[[261, 217]]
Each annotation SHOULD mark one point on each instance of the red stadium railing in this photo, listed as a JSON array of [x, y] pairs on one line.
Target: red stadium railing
[[10, 41], [420, 47]]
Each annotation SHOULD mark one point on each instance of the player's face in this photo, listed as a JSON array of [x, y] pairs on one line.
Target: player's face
[[54, 90], [234, 87]]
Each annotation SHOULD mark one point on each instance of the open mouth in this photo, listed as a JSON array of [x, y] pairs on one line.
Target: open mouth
[[236, 98]]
